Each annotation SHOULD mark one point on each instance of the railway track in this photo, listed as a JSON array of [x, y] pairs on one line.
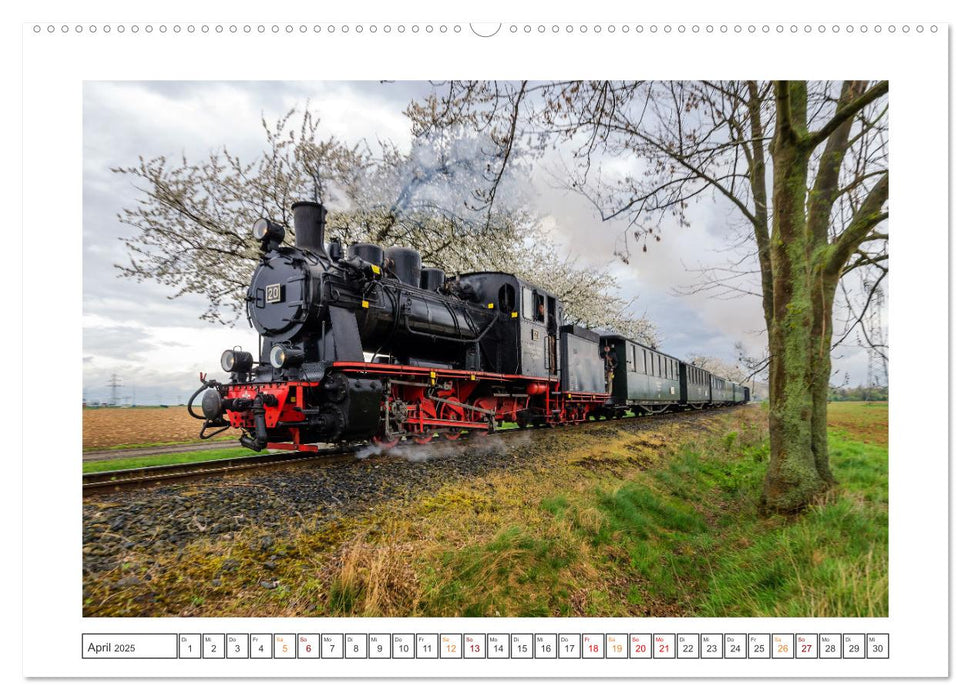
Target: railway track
[[125, 479]]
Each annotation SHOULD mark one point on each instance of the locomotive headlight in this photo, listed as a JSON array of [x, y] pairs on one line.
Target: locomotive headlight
[[266, 230], [259, 229], [236, 361], [281, 357]]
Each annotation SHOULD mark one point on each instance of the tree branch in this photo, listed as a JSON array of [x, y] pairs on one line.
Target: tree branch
[[847, 111], [867, 216]]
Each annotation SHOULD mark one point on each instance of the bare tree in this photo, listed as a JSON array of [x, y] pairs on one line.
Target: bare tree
[[191, 218], [803, 166]]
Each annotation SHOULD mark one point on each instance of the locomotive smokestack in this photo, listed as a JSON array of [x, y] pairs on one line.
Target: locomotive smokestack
[[308, 226]]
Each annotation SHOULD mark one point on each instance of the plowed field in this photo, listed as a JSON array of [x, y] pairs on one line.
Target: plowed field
[[111, 427]]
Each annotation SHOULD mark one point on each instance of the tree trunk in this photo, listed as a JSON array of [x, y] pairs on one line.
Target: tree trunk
[[792, 479], [824, 289]]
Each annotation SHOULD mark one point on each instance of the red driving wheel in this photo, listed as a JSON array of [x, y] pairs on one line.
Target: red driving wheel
[[451, 410], [424, 437], [386, 443]]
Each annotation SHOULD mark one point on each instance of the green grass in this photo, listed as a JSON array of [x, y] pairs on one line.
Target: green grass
[[832, 561], [686, 539], [108, 465]]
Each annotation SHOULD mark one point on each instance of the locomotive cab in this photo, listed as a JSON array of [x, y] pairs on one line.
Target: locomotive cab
[[525, 339]]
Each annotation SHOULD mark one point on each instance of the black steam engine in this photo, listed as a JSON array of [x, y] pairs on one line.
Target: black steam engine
[[368, 344]]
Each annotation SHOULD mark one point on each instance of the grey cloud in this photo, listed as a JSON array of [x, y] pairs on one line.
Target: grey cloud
[[117, 342]]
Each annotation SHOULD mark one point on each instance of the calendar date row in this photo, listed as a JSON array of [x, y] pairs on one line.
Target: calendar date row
[[486, 646]]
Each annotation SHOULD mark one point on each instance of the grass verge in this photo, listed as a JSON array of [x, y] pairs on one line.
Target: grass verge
[[661, 522], [108, 465]]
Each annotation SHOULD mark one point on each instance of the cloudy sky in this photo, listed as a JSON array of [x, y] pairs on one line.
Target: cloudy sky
[[157, 346]]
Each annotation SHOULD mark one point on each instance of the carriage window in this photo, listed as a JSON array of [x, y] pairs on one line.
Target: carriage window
[[507, 298], [527, 305], [633, 352]]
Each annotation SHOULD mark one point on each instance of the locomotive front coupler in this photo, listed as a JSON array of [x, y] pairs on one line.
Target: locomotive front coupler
[[257, 443]]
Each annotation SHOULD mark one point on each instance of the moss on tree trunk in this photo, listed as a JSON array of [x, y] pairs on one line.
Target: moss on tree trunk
[[824, 288], [793, 478]]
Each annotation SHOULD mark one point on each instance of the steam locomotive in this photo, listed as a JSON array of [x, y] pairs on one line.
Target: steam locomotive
[[367, 344]]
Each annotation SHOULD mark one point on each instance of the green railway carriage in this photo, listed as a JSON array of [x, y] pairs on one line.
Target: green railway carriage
[[643, 378], [721, 391], [738, 393], [695, 386]]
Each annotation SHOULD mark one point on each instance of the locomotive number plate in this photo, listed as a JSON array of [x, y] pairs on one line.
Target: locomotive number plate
[[272, 293]]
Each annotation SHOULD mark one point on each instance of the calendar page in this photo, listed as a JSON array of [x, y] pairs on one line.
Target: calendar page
[[493, 344]]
